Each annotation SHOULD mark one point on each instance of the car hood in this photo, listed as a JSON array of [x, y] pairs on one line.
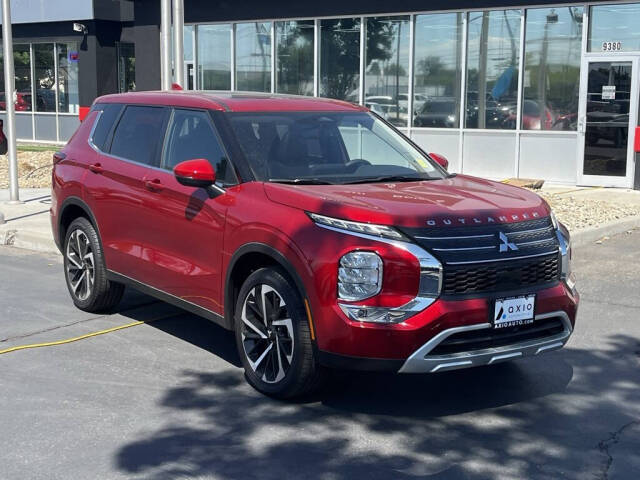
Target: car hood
[[455, 201]]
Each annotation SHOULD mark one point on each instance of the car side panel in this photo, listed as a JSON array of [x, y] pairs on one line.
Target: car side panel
[[183, 231], [115, 195], [68, 175]]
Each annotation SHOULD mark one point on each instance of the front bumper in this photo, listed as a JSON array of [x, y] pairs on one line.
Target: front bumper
[[422, 361]]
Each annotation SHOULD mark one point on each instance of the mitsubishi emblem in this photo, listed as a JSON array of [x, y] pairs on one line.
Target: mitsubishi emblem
[[505, 244]]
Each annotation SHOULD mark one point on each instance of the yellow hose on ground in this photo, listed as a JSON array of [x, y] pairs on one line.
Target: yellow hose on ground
[[81, 337]]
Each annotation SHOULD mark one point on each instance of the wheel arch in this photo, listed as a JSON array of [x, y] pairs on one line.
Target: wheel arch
[[72, 208], [246, 259]]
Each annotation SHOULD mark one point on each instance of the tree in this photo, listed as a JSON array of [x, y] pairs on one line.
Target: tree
[[340, 48]]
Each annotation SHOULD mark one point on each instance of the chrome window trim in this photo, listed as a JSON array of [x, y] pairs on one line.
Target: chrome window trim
[[218, 186], [93, 129], [419, 363]]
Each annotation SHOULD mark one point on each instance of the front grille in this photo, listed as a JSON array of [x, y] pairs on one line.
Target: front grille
[[494, 338], [499, 276], [494, 258]]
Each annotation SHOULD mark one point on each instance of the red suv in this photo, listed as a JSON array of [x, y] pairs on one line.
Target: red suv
[[312, 228]]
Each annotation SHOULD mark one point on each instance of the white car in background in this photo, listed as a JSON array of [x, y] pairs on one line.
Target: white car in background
[[418, 101]]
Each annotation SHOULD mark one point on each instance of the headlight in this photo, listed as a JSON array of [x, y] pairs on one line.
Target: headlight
[[383, 231], [359, 276], [564, 239], [429, 289]]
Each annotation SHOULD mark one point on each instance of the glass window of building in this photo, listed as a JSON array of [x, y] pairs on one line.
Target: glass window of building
[[67, 77], [253, 56], [437, 70], [188, 42], [294, 57], [126, 66], [493, 55], [340, 58], [614, 28], [387, 68], [22, 66], [214, 57], [44, 81], [551, 82]]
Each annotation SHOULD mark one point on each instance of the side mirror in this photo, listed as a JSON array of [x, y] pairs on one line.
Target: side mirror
[[195, 173], [440, 159]]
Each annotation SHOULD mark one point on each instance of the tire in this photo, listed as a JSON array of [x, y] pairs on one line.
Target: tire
[[285, 336], [85, 270]]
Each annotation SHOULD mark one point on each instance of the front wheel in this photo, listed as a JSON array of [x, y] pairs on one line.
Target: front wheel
[[273, 336]]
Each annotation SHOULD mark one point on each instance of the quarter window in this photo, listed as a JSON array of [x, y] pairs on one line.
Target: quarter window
[[191, 136], [138, 134], [109, 115]]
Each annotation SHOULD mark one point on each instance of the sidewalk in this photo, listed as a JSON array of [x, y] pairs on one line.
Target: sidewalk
[[591, 213], [28, 225]]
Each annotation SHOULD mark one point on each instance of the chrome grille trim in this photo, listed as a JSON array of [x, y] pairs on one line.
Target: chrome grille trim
[[554, 252], [456, 238], [462, 249]]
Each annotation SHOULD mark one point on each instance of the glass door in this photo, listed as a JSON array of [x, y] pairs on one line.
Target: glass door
[[608, 114], [126, 67], [189, 76]]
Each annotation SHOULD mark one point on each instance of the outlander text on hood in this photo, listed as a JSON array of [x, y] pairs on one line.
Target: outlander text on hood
[[312, 228]]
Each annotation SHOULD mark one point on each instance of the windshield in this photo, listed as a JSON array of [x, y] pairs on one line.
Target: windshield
[[328, 148]]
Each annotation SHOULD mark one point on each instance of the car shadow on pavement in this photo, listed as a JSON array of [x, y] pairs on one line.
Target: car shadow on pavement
[[196, 330], [527, 419]]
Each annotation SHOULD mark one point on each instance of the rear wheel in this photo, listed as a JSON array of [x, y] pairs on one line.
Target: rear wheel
[[85, 270], [273, 337]]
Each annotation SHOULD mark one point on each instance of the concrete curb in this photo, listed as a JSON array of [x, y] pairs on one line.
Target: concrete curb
[[27, 240], [593, 234]]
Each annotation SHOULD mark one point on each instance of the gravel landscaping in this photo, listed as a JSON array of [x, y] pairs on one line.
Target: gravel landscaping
[[34, 168], [576, 211]]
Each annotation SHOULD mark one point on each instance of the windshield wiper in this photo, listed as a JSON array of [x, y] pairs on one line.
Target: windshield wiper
[[389, 178], [300, 181]]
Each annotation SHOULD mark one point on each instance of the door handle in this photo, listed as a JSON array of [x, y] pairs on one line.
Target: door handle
[[153, 185], [96, 168]]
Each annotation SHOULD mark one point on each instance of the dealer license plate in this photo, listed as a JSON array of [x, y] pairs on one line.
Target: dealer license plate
[[514, 311]]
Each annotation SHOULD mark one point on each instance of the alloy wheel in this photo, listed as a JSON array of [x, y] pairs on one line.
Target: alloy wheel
[[267, 333], [80, 265]]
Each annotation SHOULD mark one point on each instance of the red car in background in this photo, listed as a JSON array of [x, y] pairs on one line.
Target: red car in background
[[315, 230], [22, 104]]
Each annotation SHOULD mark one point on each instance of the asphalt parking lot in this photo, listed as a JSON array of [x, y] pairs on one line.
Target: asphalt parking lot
[[168, 400]]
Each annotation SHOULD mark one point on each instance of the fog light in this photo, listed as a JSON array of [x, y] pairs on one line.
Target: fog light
[[359, 276]]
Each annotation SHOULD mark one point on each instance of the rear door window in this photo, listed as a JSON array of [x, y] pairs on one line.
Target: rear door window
[[138, 134], [191, 136]]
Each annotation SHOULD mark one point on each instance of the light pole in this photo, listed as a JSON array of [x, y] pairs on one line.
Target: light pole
[[165, 42], [9, 89], [178, 41]]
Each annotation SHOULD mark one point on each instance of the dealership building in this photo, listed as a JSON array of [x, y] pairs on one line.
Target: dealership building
[[502, 88]]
